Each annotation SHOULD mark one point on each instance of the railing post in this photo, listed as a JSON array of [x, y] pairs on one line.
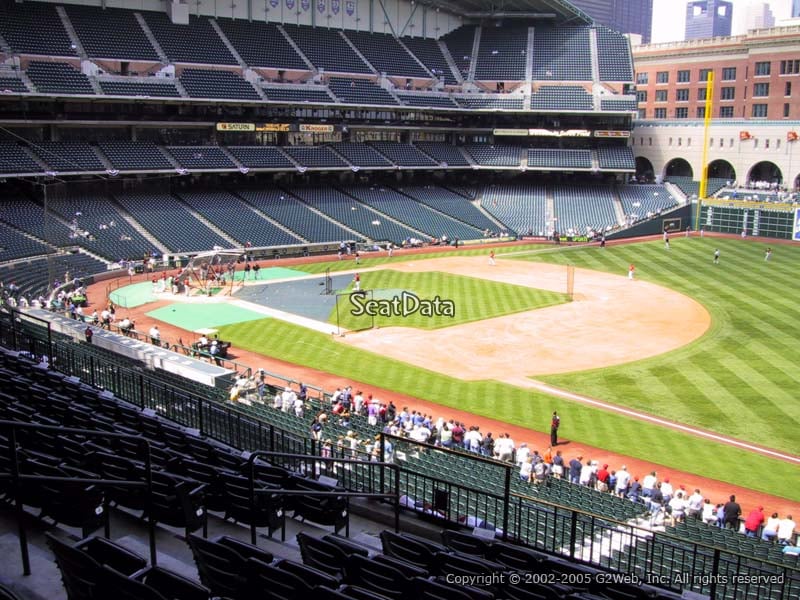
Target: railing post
[[200, 419], [252, 484], [714, 573], [151, 524], [91, 370], [573, 532], [23, 535], [506, 500], [397, 498]]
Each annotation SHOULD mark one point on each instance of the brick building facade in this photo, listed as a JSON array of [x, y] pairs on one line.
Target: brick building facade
[[756, 76]]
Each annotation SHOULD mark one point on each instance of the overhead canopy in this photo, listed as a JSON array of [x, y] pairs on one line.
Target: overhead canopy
[[560, 11]]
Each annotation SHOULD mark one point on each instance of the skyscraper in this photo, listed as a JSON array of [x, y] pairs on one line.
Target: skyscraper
[[796, 8], [708, 18], [626, 16], [759, 16]]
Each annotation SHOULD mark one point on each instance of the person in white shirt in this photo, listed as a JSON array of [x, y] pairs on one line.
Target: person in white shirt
[[648, 483], [770, 531], [694, 505], [288, 398], [586, 474], [708, 515], [155, 335], [526, 470], [667, 490], [785, 530], [677, 506], [623, 479], [523, 452]]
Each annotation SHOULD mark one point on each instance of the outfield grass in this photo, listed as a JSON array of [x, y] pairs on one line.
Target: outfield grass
[[740, 378], [473, 299], [526, 408]]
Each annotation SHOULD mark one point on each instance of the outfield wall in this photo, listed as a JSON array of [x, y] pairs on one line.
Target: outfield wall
[[764, 220]]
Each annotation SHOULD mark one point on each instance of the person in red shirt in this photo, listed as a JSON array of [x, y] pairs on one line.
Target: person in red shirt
[[754, 521], [602, 479]]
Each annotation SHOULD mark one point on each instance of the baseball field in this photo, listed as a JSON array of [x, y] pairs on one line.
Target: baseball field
[[712, 346]]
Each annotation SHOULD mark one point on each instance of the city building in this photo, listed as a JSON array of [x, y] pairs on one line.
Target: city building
[[759, 16], [626, 16], [756, 76], [796, 8], [708, 18]]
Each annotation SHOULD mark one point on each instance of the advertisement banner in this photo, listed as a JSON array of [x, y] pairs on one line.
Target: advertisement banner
[[236, 127], [796, 232]]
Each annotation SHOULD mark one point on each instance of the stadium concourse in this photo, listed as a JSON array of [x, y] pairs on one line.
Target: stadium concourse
[[716, 491]]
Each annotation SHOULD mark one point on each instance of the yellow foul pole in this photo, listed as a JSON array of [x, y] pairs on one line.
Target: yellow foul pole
[[706, 132]]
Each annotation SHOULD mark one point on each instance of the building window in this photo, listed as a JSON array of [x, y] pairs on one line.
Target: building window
[[760, 90], [662, 77], [688, 141], [787, 88], [727, 93], [701, 94], [725, 112], [642, 115], [790, 67], [766, 143], [660, 113], [760, 111], [729, 74], [730, 142], [649, 141], [681, 113], [684, 76], [661, 95], [682, 95], [786, 111], [641, 78], [778, 144], [641, 96], [704, 75], [762, 68], [701, 112]]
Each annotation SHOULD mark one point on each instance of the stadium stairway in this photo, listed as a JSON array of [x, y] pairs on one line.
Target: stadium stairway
[[240, 61], [297, 49], [617, 204], [73, 36], [267, 217], [421, 234], [449, 59], [234, 243], [154, 42], [358, 53], [139, 227]]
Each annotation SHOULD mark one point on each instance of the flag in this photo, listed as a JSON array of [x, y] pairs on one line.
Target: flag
[[744, 135], [791, 136]]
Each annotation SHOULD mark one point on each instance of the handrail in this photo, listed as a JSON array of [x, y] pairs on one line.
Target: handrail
[[16, 477], [347, 494]]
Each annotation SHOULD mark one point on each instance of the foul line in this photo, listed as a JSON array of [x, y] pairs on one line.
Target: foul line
[[645, 417]]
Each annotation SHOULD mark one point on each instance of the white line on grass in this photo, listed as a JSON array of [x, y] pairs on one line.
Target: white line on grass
[[658, 421]]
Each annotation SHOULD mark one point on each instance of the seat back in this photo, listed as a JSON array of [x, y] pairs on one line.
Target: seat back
[[80, 573], [310, 575], [378, 577], [220, 568], [322, 555], [268, 582], [417, 551], [465, 543]]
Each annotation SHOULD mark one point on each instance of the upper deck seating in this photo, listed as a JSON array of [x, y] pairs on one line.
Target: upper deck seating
[[326, 49], [502, 53], [459, 43], [562, 54], [429, 53], [110, 33], [261, 44], [34, 28], [613, 55], [196, 42]]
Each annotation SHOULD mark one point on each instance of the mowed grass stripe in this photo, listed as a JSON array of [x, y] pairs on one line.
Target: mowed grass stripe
[[751, 304]]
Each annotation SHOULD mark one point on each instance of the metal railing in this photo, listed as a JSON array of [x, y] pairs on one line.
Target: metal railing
[[17, 478], [579, 535]]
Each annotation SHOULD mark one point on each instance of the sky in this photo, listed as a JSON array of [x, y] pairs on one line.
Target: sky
[[669, 17]]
